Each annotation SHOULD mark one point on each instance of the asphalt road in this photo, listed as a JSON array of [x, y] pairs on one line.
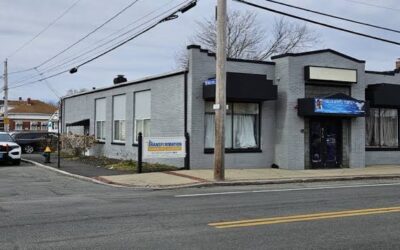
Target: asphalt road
[[40, 209]]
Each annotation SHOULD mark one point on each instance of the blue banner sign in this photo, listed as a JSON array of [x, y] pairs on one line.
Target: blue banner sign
[[210, 81], [339, 106]]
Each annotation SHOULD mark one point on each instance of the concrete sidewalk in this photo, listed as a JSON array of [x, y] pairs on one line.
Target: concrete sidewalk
[[249, 176], [188, 178]]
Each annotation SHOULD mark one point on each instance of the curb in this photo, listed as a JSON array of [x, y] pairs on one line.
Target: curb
[[79, 177], [260, 182], [106, 182]]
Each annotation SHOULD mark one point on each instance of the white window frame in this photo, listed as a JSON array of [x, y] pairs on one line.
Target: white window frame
[[141, 119], [121, 122], [102, 121]]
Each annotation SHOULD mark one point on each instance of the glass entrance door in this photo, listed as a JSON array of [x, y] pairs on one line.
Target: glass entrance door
[[325, 143]]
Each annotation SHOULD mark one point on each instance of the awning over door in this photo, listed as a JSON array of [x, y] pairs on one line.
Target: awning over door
[[383, 95], [338, 105], [85, 123], [243, 87]]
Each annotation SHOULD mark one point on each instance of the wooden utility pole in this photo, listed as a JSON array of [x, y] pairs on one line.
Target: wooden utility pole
[[220, 98], [5, 117]]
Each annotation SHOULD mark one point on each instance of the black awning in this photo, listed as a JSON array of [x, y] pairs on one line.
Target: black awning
[[338, 105], [243, 87], [383, 95], [85, 122]]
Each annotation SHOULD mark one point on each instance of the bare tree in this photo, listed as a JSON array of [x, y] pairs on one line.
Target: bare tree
[[248, 39]]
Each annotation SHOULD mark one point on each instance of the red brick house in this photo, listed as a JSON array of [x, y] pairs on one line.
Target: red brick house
[[27, 115]]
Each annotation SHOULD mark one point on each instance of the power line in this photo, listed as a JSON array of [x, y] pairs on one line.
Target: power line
[[318, 23], [373, 5], [43, 30], [333, 16], [90, 33], [71, 59], [46, 83], [68, 59], [71, 62], [166, 18]]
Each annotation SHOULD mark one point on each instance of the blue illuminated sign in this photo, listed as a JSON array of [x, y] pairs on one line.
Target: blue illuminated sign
[[339, 106], [210, 81]]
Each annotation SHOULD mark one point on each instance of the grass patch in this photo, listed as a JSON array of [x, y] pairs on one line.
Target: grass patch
[[147, 167], [129, 166]]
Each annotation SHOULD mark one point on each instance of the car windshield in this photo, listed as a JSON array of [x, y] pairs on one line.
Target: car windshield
[[6, 138]]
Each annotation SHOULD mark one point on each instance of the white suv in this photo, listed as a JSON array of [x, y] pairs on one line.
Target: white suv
[[9, 150]]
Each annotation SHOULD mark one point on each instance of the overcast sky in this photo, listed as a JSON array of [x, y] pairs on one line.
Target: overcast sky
[[155, 51]]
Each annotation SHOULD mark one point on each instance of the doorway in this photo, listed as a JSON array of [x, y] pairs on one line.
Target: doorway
[[325, 143]]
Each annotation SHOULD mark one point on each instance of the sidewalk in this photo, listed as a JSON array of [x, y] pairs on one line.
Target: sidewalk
[[187, 178]]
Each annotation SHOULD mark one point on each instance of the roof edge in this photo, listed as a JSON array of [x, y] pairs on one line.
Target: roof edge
[[318, 52], [120, 85], [212, 54]]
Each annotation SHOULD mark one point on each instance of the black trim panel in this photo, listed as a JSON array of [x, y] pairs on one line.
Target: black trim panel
[[118, 143], [383, 95]]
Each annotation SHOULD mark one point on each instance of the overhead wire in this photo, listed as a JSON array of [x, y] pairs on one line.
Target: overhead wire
[[68, 59], [90, 33], [318, 23], [373, 5], [43, 30], [333, 16], [70, 62], [164, 18]]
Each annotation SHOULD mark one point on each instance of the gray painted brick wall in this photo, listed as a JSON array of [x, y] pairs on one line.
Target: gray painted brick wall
[[167, 111]]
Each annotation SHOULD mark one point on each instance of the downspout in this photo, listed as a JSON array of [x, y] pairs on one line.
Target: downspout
[[185, 122]]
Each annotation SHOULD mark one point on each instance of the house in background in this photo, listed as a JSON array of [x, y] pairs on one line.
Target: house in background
[[52, 125], [27, 115]]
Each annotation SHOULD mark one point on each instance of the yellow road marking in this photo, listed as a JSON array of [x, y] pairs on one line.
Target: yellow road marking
[[304, 217]]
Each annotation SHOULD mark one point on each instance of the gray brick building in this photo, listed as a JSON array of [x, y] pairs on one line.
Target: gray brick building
[[318, 109]]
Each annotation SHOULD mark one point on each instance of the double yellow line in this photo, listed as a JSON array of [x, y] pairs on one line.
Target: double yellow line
[[304, 217]]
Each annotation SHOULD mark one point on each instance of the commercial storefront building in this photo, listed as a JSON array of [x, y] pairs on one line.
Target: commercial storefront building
[[318, 109]]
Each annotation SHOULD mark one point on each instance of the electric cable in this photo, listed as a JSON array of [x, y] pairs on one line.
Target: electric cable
[[334, 16], [43, 30], [373, 5], [318, 23], [90, 33], [166, 18], [87, 52], [106, 37]]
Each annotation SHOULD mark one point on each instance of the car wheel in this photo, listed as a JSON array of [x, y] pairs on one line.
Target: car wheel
[[16, 162], [28, 149]]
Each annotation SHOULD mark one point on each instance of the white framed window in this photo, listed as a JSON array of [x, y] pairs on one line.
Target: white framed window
[[142, 114], [35, 126], [119, 121], [18, 125], [43, 125], [100, 115]]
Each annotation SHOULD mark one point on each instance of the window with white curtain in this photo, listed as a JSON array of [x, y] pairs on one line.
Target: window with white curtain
[[100, 109], [142, 113], [382, 128], [241, 126], [119, 121]]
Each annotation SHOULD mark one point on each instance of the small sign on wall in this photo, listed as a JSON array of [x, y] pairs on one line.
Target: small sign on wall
[[164, 147]]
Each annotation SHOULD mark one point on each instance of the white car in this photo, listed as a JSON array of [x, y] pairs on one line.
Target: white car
[[9, 150]]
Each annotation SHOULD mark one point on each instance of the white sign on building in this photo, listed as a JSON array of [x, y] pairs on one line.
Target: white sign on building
[[164, 147]]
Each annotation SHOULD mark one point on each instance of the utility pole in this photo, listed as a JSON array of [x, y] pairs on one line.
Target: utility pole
[[220, 98], [5, 117]]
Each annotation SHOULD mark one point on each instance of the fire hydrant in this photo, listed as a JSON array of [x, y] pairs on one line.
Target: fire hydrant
[[46, 154]]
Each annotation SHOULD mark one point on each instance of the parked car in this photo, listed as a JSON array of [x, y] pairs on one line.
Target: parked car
[[10, 151], [31, 142]]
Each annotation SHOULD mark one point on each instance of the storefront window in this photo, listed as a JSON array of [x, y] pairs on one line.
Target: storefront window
[[382, 128], [241, 126]]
